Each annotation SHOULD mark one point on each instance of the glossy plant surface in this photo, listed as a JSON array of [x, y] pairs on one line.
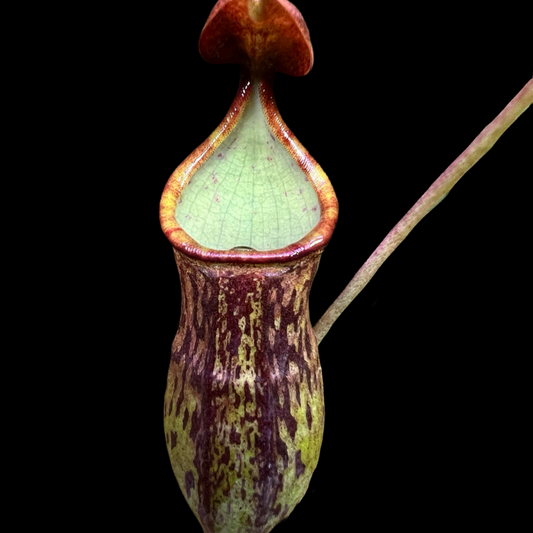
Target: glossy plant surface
[[446, 304], [248, 214], [249, 187], [244, 406]]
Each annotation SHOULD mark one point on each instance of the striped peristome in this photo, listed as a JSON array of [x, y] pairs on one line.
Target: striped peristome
[[244, 406]]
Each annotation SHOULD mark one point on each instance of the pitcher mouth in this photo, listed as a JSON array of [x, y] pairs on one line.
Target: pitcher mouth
[[316, 180]]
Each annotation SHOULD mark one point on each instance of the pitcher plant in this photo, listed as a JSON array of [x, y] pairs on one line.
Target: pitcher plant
[[248, 215]]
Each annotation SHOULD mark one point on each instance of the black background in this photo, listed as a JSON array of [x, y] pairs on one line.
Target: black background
[[425, 373]]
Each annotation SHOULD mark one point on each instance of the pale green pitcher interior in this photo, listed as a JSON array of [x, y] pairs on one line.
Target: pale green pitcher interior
[[250, 192]]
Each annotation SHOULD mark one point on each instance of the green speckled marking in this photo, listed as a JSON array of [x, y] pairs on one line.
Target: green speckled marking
[[244, 405], [250, 192]]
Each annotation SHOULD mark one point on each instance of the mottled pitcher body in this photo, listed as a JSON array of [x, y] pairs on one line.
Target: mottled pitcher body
[[244, 404]]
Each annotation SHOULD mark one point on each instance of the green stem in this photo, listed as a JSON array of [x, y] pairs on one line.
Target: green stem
[[438, 190]]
